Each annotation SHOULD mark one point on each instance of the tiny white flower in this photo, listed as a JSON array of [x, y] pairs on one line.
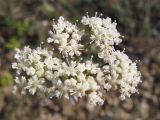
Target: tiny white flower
[[30, 71], [49, 75], [14, 66], [40, 72], [107, 86]]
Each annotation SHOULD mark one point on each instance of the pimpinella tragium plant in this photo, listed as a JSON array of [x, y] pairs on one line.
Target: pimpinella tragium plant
[[67, 68]]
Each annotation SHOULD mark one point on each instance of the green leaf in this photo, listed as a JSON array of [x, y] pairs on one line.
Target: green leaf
[[22, 27], [6, 79], [13, 43]]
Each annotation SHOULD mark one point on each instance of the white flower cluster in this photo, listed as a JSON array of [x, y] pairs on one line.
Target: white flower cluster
[[66, 73], [67, 36], [104, 32], [122, 71]]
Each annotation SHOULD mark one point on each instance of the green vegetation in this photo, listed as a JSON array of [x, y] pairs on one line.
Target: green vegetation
[[6, 79]]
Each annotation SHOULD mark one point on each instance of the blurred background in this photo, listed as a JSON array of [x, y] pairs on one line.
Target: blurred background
[[26, 22]]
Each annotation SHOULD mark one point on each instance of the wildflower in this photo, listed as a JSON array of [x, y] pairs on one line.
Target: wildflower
[[68, 73], [67, 36], [103, 30]]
